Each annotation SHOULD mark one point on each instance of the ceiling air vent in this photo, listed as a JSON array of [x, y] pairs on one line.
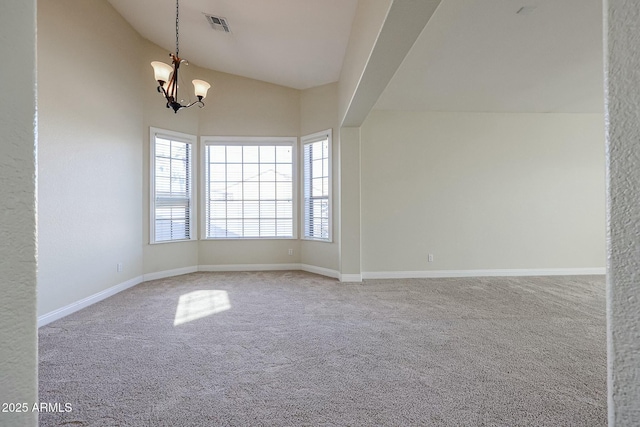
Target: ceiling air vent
[[218, 23]]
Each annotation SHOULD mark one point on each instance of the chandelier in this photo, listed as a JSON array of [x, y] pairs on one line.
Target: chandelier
[[167, 77]]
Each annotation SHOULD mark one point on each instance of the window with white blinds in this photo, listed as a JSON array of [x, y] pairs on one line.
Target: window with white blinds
[[316, 186], [172, 204], [249, 187]]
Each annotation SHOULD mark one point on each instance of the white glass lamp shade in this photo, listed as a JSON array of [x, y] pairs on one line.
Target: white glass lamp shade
[[161, 71], [201, 87]]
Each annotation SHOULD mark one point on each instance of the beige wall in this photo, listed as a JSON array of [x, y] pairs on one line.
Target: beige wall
[[482, 191], [90, 151], [318, 112], [18, 334]]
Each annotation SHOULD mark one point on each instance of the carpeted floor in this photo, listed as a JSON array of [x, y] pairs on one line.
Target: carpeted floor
[[297, 349]]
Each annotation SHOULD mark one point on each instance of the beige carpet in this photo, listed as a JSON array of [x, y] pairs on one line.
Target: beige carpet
[[296, 349]]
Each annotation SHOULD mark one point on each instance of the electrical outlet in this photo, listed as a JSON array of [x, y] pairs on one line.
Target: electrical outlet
[[430, 257], [119, 267], [290, 251]]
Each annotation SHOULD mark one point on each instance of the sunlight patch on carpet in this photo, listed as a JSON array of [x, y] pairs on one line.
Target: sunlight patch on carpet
[[198, 304]]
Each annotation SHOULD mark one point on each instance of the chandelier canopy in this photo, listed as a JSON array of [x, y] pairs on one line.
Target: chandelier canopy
[[167, 77]]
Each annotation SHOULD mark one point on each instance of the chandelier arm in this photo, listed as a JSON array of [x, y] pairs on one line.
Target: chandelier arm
[[199, 103]]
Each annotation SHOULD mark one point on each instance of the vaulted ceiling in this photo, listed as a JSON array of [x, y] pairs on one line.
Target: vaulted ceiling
[[473, 55], [294, 43]]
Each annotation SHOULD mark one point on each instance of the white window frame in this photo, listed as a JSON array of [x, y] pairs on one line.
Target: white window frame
[[308, 139], [188, 139], [206, 141]]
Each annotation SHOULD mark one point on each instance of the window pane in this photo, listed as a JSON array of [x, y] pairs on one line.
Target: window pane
[[267, 172], [217, 191], [217, 154], [250, 154], [267, 154], [267, 227], [251, 228], [218, 210], [283, 172], [285, 227], [267, 209], [251, 172], [251, 191], [234, 209], [234, 172], [218, 172], [317, 187], [179, 150], [252, 210], [284, 209], [234, 228], [267, 191], [234, 154], [218, 228], [234, 191], [248, 184], [316, 149], [163, 148], [284, 190], [163, 185], [316, 169], [283, 154], [163, 167]]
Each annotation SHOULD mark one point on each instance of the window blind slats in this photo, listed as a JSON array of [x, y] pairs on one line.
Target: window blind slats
[[316, 189], [172, 190]]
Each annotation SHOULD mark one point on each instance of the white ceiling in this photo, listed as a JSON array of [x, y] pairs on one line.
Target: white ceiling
[[473, 55], [294, 43], [480, 55]]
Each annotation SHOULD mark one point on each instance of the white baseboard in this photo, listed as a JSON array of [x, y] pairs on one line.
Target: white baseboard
[[319, 270], [169, 273], [483, 273], [85, 302], [354, 278], [351, 278], [249, 267]]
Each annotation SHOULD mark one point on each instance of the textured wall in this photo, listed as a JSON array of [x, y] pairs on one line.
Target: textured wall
[[622, 111], [90, 151], [18, 340]]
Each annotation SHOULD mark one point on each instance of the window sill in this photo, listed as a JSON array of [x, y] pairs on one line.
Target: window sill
[[215, 239], [173, 241], [309, 239]]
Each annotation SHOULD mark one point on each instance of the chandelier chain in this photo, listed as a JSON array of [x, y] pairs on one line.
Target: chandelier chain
[[167, 76], [177, 26]]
